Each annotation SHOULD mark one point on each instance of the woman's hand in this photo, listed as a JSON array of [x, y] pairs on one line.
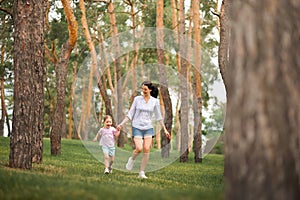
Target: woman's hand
[[167, 134]]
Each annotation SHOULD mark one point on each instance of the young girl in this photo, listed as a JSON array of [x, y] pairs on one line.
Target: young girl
[[140, 113], [108, 135]]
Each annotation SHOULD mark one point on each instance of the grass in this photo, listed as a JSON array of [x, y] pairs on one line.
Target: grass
[[76, 174]]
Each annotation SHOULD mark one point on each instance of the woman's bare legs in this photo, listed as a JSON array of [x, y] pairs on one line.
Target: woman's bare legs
[[146, 147]]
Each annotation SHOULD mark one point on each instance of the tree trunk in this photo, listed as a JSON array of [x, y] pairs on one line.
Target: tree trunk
[[184, 86], [93, 62], [26, 145], [61, 76], [163, 78], [3, 107], [263, 111], [197, 81], [101, 78], [223, 54], [70, 110], [136, 46], [118, 81]]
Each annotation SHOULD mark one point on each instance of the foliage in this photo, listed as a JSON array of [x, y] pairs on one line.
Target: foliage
[[98, 21], [76, 174]]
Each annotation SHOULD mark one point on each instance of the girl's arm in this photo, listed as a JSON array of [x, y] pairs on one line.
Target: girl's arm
[[97, 135], [96, 138], [117, 133]]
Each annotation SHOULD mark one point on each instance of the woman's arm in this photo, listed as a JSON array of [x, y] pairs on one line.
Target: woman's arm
[[126, 119], [130, 114], [161, 122]]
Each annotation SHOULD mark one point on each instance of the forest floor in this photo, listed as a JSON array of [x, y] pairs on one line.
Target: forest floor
[[76, 174]]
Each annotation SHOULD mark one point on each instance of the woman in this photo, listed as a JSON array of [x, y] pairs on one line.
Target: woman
[[140, 113]]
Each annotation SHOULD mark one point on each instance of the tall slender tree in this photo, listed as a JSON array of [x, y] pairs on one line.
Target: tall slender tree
[[93, 62], [197, 82], [163, 76], [26, 144], [263, 110], [223, 53], [59, 123], [117, 64], [184, 129]]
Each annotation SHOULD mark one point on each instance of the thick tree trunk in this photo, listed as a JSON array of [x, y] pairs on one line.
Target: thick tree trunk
[[263, 111], [26, 145], [61, 75]]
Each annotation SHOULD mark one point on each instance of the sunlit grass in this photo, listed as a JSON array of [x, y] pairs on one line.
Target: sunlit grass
[[76, 174]]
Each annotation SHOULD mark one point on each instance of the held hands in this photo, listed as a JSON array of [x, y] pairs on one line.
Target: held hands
[[119, 127]]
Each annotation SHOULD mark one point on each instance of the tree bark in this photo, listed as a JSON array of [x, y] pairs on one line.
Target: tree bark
[[263, 110], [61, 75], [70, 109], [3, 107], [26, 144], [197, 82], [101, 78], [118, 81], [93, 62], [163, 78], [223, 52], [184, 86]]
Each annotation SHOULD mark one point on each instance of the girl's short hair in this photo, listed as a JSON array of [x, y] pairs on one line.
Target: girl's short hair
[[153, 88], [106, 117]]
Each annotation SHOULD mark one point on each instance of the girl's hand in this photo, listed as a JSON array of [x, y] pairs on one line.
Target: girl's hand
[[119, 127]]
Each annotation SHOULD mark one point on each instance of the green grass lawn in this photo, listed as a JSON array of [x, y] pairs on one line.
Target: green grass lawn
[[76, 174]]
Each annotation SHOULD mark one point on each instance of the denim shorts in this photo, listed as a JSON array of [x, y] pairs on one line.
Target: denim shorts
[[142, 133], [108, 150]]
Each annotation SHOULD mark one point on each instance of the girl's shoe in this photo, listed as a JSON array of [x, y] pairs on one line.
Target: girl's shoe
[[106, 171]]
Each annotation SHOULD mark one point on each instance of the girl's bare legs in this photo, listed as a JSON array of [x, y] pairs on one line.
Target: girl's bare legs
[[106, 163], [112, 158], [106, 160]]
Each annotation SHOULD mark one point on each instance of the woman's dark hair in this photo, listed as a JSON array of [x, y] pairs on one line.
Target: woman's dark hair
[[153, 88]]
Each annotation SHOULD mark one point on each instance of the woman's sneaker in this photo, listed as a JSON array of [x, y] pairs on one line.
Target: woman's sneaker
[[129, 164], [142, 175]]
